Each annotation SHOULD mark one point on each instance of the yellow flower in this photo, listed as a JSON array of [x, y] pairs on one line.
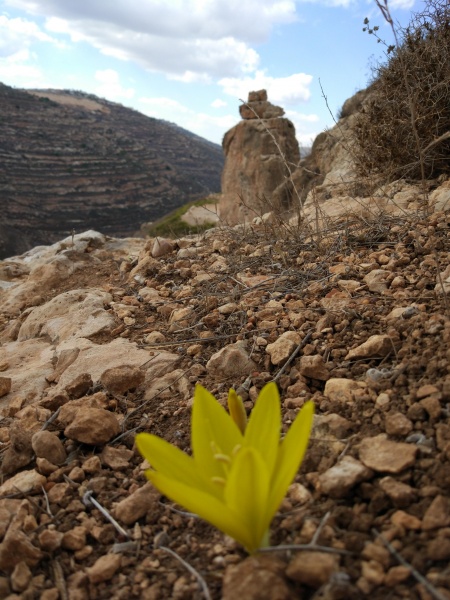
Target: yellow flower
[[239, 472]]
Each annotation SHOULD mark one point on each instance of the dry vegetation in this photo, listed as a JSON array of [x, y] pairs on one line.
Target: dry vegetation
[[404, 129]]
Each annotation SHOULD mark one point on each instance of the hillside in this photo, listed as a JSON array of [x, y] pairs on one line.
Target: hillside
[[72, 161]]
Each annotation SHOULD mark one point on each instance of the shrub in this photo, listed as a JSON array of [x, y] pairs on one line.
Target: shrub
[[403, 129]]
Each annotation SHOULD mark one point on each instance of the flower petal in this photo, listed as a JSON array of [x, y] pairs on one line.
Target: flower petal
[[202, 504], [237, 410], [290, 455], [264, 425], [213, 432], [246, 493], [171, 461]]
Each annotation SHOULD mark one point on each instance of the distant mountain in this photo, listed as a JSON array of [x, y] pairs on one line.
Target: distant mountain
[[73, 161]]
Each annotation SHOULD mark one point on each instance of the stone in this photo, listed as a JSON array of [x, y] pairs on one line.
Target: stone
[[65, 359], [104, 568], [372, 571], [282, 348], [137, 505], [5, 385], [74, 539], [20, 452], [377, 346], [16, 548], [58, 494], [376, 280], [70, 409], [119, 380], [313, 366], [403, 519], [162, 247], [396, 575], [73, 314], [383, 455], [401, 494], [437, 514], [256, 578], [255, 178], [50, 540], [339, 479], [439, 548], [94, 426], [21, 577], [312, 568], [79, 386], [28, 482], [397, 423], [116, 458], [47, 445], [95, 359], [343, 390], [30, 363], [232, 361], [172, 383], [92, 465], [45, 467]]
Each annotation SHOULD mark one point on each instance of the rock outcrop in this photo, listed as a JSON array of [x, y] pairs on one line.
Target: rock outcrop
[[72, 161], [259, 153]]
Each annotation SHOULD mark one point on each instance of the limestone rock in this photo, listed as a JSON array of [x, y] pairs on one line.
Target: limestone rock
[[338, 480], [21, 577], [256, 578], [17, 548], [312, 568], [161, 247], [119, 380], [5, 386], [377, 346], [437, 514], [382, 455], [27, 482], [376, 280], [253, 178], [116, 458], [48, 445], [400, 493], [343, 390], [314, 367], [76, 313], [79, 386], [104, 568], [231, 361], [19, 453], [94, 426], [137, 505], [281, 349]]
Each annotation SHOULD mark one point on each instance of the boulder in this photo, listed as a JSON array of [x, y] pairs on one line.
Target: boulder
[[257, 152]]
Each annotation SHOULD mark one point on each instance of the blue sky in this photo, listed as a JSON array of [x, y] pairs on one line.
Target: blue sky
[[190, 61]]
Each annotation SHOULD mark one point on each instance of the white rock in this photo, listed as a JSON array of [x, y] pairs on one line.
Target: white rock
[[343, 390], [281, 349]]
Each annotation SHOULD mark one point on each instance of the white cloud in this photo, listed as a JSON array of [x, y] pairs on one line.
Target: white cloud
[[218, 103], [402, 4], [286, 91], [17, 33], [186, 39], [110, 86], [207, 126]]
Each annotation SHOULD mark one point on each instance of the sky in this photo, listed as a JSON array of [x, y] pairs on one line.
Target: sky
[[191, 62]]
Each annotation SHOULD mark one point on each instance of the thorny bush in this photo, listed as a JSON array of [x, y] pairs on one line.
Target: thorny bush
[[410, 91]]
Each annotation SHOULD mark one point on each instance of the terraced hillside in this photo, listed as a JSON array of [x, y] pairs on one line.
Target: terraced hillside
[[72, 161]]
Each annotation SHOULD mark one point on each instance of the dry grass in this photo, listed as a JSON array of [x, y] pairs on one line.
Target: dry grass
[[404, 128]]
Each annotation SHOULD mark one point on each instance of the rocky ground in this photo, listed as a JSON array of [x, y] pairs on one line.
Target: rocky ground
[[101, 338]]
